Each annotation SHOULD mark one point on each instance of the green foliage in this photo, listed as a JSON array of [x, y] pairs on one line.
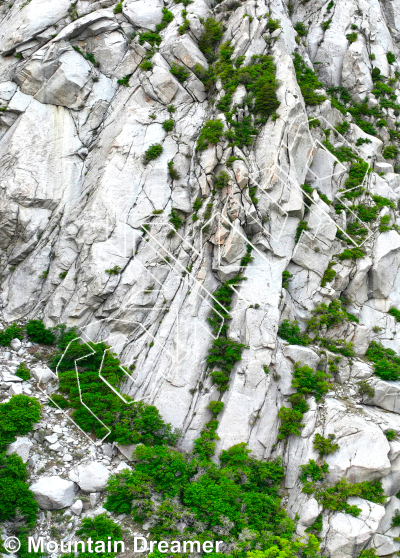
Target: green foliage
[[310, 382], [37, 332], [317, 526], [335, 497], [16, 500], [17, 418], [166, 18], [370, 553], [175, 219], [351, 254], [152, 153], [118, 8], [302, 226], [329, 275], [314, 472], [130, 423], [116, 270], [213, 31], [290, 422], [390, 57], [364, 388], [124, 81], [325, 446], [301, 29], [395, 313], [174, 174], [100, 528], [390, 152], [290, 331], [179, 72], [266, 100], [210, 134], [286, 277], [221, 180], [329, 316], [23, 371], [384, 226], [308, 82], [386, 361], [168, 125], [343, 127], [390, 434], [11, 332], [215, 407], [351, 37], [146, 65]]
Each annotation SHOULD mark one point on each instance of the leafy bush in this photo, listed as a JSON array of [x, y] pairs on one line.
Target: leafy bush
[[302, 226], [37, 332], [116, 270], [11, 332], [213, 31], [118, 8], [266, 100], [312, 471], [210, 134], [386, 362], [310, 382], [166, 18], [17, 418], [290, 331], [325, 446], [152, 153], [308, 82], [286, 277], [16, 500], [23, 371], [146, 65], [390, 152], [370, 553], [168, 125], [179, 72], [351, 37], [221, 180], [174, 174], [131, 423], [335, 497], [390, 434], [273, 24], [343, 127], [384, 227], [391, 57], [329, 275], [301, 29], [329, 316], [351, 254], [395, 313], [124, 81], [215, 407], [290, 422], [364, 388]]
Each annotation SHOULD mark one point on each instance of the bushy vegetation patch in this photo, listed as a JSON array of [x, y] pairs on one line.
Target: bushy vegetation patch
[[308, 82], [386, 361]]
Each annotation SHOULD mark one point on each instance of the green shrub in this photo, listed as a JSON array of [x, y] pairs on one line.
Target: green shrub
[[301, 29], [391, 57], [266, 100], [290, 331], [302, 226], [312, 471], [308, 82], [124, 81], [166, 19], [152, 153], [273, 25], [175, 219], [329, 316], [310, 382], [146, 65], [221, 180], [384, 227], [352, 37], [215, 407], [168, 125], [351, 254], [210, 134], [390, 152], [395, 313], [37, 332], [118, 8], [116, 270], [286, 277], [17, 418], [370, 553], [174, 174], [290, 422], [23, 371], [390, 434], [213, 31], [335, 497], [329, 275], [179, 72], [325, 446], [11, 332], [342, 128], [364, 388], [17, 502], [386, 362]]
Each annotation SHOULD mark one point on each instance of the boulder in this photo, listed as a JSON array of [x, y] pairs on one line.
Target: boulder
[[53, 493], [22, 446], [77, 507], [188, 52], [43, 375], [387, 395], [91, 476], [15, 344], [386, 264], [309, 512], [143, 13]]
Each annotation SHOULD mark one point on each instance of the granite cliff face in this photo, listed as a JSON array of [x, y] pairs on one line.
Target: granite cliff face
[[130, 250]]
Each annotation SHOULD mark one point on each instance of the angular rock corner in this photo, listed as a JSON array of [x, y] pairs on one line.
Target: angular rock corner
[[151, 152]]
